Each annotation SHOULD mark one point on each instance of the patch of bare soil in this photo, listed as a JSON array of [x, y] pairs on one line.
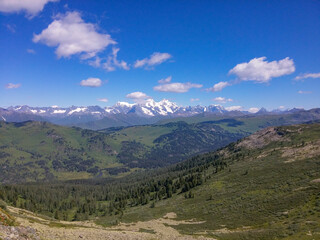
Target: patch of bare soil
[[261, 138], [162, 227], [316, 180], [303, 152], [153, 229], [225, 230]]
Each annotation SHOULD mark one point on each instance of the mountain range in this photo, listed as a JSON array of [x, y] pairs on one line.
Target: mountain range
[[121, 114]]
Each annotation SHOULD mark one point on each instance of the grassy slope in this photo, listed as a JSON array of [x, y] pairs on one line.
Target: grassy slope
[[265, 191], [28, 150]]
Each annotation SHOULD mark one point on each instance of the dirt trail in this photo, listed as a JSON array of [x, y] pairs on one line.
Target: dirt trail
[[153, 229]]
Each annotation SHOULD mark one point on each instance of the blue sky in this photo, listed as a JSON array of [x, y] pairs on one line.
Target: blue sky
[[247, 54]]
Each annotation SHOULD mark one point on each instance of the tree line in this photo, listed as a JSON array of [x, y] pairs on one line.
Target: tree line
[[82, 199]]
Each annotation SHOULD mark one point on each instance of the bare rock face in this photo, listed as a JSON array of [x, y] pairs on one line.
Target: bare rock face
[[262, 138], [18, 233], [8, 232]]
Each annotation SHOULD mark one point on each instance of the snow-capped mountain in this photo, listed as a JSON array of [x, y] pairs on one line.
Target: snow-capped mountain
[[149, 108], [125, 113], [57, 111], [119, 107], [153, 108]]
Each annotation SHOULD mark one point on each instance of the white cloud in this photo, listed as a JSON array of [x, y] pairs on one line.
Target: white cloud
[[11, 27], [307, 75], [103, 100], [253, 110], [71, 35], [96, 62], [54, 106], [176, 87], [281, 107], [155, 59], [218, 86], [234, 108], [12, 85], [31, 51], [32, 7], [112, 62], [261, 71], [165, 80], [304, 92], [194, 99], [222, 99], [91, 82], [137, 95]]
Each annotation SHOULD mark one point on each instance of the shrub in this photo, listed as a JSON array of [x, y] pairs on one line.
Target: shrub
[[3, 205]]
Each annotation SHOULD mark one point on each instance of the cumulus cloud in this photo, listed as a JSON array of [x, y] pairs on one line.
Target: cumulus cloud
[[176, 87], [155, 59], [261, 71], [218, 86], [103, 99], [31, 7], [253, 110], [194, 99], [112, 62], [234, 108], [304, 92], [71, 35], [222, 99], [307, 75], [12, 85], [91, 82], [165, 80], [137, 95]]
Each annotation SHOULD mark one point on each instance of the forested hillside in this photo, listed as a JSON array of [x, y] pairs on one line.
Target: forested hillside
[[263, 187]]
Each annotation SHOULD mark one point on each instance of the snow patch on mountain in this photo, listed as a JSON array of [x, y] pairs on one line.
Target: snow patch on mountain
[[59, 111], [79, 109]]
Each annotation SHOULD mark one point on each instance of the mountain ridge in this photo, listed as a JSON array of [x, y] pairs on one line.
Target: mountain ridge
[[148, 108], [123, 113]]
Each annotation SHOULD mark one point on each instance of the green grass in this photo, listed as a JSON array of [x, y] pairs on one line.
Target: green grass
[[25, 145], [147, 230]]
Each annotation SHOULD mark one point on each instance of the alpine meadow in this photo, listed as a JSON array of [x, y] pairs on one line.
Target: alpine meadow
[[172, 120]]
